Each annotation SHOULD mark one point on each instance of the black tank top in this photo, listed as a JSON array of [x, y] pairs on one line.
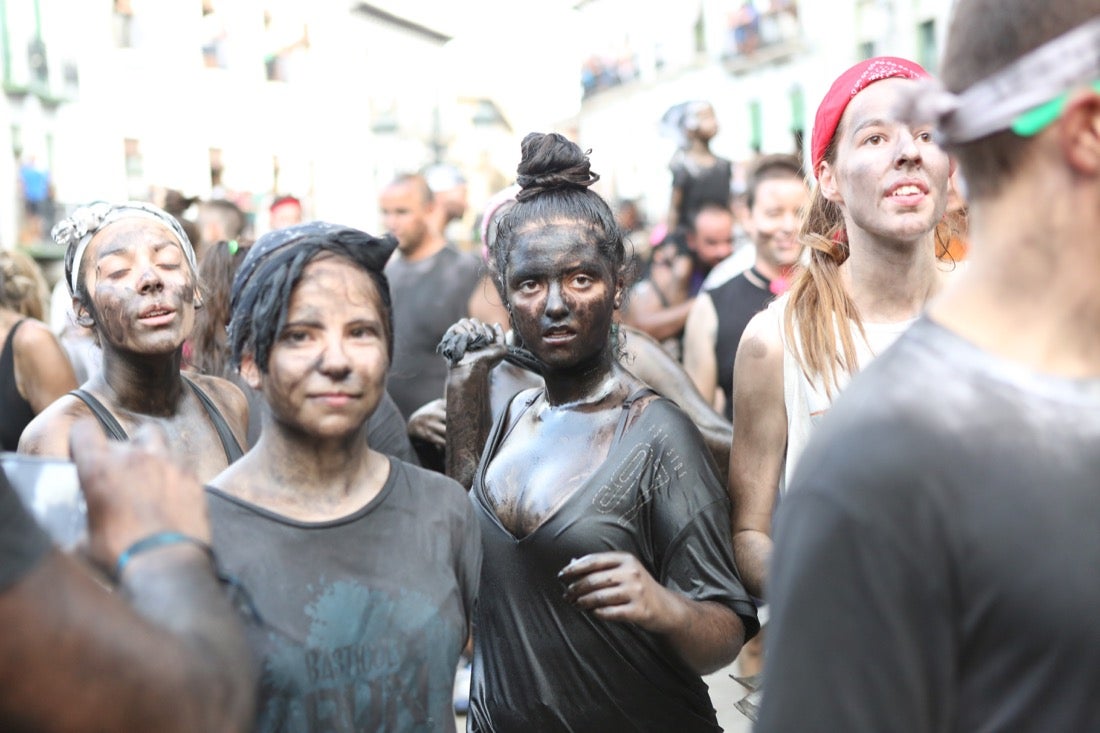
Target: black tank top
[[15, 411], [736, 301], [113, 429]]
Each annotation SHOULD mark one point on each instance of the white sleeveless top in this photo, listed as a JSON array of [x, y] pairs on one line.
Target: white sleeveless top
[[806, 401]]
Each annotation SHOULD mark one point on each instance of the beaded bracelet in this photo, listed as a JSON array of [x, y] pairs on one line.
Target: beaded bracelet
[[154, 541]]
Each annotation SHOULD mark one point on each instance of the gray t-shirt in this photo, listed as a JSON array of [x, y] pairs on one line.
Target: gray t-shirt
[[363, 617], [428, 297], [937, 558]]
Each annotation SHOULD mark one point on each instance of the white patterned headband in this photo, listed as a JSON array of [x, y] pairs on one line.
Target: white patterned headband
[[1024, 96], [76, 230]]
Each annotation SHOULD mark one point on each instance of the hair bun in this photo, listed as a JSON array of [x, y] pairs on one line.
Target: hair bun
[[551, 162]]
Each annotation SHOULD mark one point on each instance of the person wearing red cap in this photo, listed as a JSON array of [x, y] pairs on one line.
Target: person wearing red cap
[[871, 234], [936, 556]]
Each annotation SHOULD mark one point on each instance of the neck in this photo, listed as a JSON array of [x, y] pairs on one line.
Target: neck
[[303, 469], [891, 281], [585, 384], [1029, 292], [148, 385], [770, 270], [430, 245]]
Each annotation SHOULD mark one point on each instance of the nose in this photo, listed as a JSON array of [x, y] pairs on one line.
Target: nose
[[334, 362], [908, 152], [150, 280], [555, 304]]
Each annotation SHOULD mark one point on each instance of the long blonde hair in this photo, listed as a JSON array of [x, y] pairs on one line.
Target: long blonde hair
[[22, 286]]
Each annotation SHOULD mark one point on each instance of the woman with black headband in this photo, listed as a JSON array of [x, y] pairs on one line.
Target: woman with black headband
[[131, 271], [362, 569]]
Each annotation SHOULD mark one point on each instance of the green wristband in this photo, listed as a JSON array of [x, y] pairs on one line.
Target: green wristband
[[154, 541]]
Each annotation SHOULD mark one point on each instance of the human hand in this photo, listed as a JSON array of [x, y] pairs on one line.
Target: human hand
[[133, 490], [429, 423], [615, 586], [470, 341]]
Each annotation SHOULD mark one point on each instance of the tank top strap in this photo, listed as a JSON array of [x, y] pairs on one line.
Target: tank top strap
[[229, 441], [110, 425]]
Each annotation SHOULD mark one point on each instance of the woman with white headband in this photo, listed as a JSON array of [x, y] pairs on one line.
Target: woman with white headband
[[131, 271]]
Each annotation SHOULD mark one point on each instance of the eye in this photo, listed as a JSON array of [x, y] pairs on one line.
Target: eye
[[583, 281], [875, 139], [118, 274], [527, 286], [925, 137], [294, 336]]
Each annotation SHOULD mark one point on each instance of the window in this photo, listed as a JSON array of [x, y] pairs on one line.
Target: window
[[927, 52]]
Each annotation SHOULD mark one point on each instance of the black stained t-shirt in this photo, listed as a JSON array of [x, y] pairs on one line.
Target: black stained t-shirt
[[540, 663], [428, 297], [736, 301], [363, 617], [700, 186], [937, 557]]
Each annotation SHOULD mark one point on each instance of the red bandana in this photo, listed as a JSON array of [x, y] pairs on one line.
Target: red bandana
[[846, 87]]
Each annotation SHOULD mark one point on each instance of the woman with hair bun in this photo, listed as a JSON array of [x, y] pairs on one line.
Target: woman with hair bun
[[608, 586]]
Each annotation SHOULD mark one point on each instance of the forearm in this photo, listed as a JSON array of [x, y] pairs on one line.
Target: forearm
[[175, 661], [469, 419], [705, 634], [664, 323], [752, 551]]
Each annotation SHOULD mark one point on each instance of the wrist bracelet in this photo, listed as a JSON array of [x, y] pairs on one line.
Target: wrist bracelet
[[154, 541]]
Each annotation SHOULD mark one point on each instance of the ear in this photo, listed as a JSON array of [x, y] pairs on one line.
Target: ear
[[81, 315], [199, 302], [827, 183], [250, 372], [1080, 132], [620, 288]]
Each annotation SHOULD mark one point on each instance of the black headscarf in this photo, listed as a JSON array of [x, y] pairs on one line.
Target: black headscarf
[[266, 279]]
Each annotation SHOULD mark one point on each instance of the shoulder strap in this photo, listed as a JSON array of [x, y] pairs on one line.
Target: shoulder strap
[[110, 425], [230, 445]]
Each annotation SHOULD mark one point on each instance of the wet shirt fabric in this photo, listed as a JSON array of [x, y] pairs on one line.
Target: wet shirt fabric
[[941, 541], [22, 542], [428, 297], [541, 664], [362, 618], [15, 411]]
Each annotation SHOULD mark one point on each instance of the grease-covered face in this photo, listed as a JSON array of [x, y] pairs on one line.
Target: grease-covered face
[[774, 219], [141, 289], [327, 368], [888, 178], [563, 293]]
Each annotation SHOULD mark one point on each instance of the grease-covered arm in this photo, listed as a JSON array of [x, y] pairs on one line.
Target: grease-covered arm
[[472, 348]]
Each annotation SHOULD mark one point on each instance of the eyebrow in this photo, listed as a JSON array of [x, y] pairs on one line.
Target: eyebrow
[[115, 249], [874, 122]]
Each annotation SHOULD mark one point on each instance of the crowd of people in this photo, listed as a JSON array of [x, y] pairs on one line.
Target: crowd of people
[[336, 481]]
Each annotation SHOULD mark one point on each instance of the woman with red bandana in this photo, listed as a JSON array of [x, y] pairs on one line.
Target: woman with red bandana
[[871, 231]]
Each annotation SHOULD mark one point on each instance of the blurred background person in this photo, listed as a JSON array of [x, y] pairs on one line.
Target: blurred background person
[[34, 369]]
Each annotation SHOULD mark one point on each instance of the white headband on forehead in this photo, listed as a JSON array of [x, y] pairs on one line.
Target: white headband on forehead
[[994, 103], [78, 229]]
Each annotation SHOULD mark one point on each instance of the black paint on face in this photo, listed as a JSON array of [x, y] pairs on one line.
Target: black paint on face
[[327, 369], [563, 293], [141, 288]]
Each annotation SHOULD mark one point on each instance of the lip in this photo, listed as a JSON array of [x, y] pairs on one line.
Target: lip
[[334, 399], [558, 335], [157, 315], [911, 198]]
